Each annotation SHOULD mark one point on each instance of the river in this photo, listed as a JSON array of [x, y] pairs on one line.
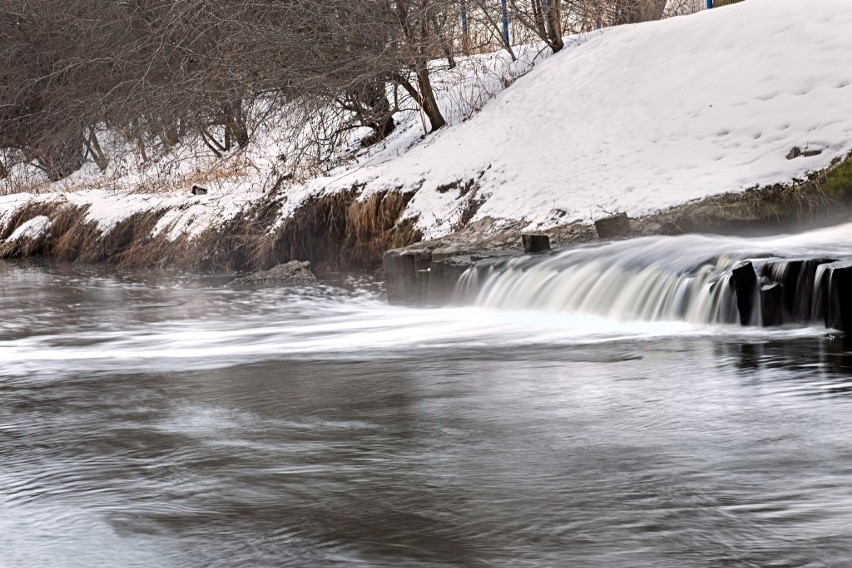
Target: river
[[163, 420]]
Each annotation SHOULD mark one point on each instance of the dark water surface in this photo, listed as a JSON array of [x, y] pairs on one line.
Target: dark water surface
[[148, 420]]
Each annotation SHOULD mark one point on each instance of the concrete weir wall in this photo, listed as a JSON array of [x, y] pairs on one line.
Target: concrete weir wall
[[420, 278], [794, 291], [767, 292], [428, 277]]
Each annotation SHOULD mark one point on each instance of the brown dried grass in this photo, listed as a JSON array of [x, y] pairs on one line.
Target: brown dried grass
[[316, 233], [25, 247], [334, 232], [374, 226], [70, 233], [128, 243], [23, 214]]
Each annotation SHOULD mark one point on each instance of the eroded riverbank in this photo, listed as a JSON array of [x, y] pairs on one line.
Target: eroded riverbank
[[343, 231]]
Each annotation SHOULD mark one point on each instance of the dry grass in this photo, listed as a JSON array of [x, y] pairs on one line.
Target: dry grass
[[334, 232], [164, 175], [341, 232], [70, 233], [13, 184], [23, 214], [24, 247], [234, 246], [316, 232], [373, 226], [128, 243]]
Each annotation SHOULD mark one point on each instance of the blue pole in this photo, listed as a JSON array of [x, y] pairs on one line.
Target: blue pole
[[464, 16], [506, 21], [709, 4]]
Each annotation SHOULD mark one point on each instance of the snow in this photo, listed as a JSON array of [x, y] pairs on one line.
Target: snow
[[635, 118], [642, 117], [185, 214], [31, 229]]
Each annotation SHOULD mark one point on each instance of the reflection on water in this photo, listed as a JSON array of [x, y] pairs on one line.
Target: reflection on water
[[166, 421]]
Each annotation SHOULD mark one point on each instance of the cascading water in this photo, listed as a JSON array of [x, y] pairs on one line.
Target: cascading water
[[691, 278]]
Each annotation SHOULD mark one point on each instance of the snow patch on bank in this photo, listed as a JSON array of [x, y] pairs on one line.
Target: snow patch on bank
[[32, 229]]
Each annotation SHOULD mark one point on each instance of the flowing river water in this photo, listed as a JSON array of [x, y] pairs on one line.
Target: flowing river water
[[168, 421]]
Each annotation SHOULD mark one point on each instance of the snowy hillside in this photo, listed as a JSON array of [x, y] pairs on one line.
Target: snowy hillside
[[642, 117], [634, 118]]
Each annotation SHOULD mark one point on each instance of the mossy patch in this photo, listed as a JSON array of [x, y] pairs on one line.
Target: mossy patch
[[838, 181], [824, 198]]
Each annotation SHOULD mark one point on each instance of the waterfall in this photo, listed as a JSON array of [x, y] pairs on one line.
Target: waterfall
[[692, 278]]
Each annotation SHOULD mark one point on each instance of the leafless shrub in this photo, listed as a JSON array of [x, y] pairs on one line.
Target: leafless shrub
[[684, 7], [164, 72]]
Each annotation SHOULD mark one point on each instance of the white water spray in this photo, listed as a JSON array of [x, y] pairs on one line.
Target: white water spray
[[685, 278]]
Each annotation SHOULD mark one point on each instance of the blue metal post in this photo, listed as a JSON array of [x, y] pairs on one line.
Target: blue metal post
[[464, 16], [506, 21], [709, 4]]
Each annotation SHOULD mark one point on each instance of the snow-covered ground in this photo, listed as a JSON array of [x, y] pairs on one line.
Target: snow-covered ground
[[635, 118]]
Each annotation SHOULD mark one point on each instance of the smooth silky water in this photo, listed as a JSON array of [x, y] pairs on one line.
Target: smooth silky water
[[155, 420]]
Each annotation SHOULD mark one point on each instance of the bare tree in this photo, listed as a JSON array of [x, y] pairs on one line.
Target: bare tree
[[491, 15], [544, 17], [635, 11], [157, 71]]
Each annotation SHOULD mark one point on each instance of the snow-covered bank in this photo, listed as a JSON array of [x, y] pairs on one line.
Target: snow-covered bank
[[646, 116], [636, 118], [266, 170]]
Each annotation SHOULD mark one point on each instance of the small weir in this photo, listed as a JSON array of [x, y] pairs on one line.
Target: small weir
[[791, 280], [620, 285]]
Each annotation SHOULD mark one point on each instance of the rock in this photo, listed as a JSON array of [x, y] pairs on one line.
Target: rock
[[744, 283], [669, 228], [293, 273], [838, 313], [612, 227], [772, 304], [795, 152], [535, 243], [797, 277], [198, 190]]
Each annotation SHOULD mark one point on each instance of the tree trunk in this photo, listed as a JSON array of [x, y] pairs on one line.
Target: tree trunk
[[545, 20], [418, 44], [61, 158], [235, 123], [380, 114], [95, 150], [429, 103], [554, 26], [636, 11], [538, 17], [210, 142]]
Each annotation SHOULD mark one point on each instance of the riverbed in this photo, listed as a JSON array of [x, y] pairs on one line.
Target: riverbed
[[151, 419]]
